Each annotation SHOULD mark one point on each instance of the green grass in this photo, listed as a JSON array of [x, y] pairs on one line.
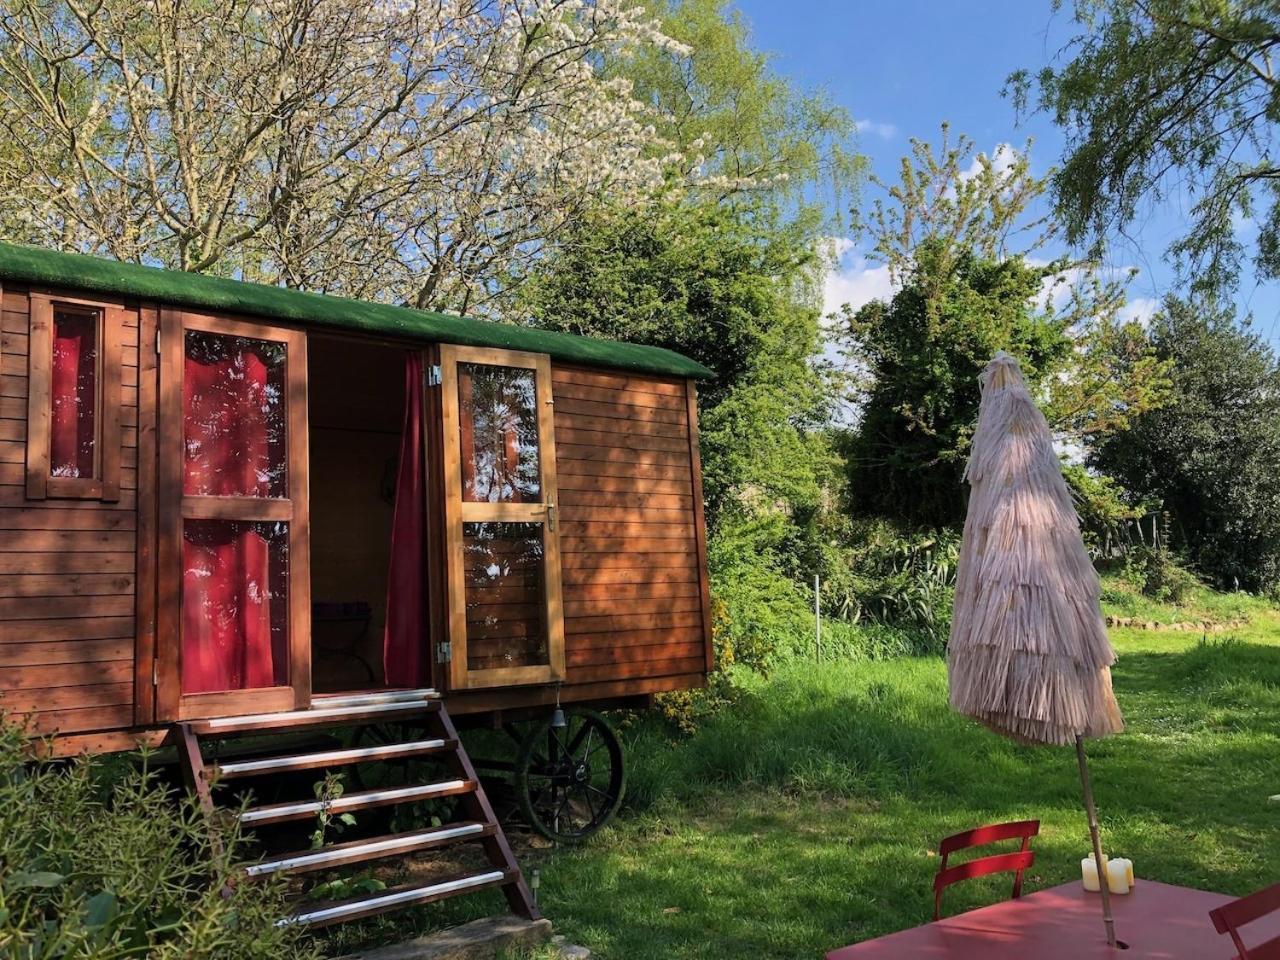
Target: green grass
[[806, 816]]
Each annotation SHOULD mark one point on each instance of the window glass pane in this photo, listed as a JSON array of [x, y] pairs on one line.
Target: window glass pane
[[498, 413], [74, 394], [506, 601], [234, 416], [235, 605]]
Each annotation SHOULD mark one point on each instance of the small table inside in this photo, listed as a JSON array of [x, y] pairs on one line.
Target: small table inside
[[1158, 921]]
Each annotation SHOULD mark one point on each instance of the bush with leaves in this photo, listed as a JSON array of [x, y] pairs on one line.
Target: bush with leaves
[[901, 579], [99, 861], [1161, 576], [964, 253], [1211, 455]]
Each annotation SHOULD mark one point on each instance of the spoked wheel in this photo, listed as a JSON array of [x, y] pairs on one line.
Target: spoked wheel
[[569, 782]]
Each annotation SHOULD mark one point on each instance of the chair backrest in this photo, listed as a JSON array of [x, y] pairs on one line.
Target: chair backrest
[[981, 866], [1230, 917]]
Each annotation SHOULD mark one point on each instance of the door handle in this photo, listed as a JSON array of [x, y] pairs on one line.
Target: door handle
[[551, 517]]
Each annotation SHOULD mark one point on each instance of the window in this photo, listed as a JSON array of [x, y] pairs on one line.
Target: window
[[235, 605], [235, 598], [73, 401], [498, 414]]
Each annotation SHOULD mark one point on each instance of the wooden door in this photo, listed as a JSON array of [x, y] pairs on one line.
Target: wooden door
[[506, 622], [233, 559]]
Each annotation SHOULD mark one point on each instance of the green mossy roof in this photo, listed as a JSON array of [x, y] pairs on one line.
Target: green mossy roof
[[75, 271]]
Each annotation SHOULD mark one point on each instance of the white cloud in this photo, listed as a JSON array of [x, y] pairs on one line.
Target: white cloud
[[1002, 157], [1055, 290], [853, 279], [1141, 309], [885, 131]]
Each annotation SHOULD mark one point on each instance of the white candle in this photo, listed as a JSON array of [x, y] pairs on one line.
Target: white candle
[[1128, 870], [1119, 875], [1089, 873]]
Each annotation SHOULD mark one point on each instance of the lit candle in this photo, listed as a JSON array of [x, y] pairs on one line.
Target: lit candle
[[1119, 875], [1089, 873]]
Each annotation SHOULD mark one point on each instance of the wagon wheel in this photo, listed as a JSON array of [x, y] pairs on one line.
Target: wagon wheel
[[569, 782]]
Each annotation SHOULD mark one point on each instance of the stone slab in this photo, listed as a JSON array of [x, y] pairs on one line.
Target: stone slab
[[477, 940]]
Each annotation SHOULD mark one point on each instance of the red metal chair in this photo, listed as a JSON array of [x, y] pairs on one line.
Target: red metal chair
[[980, 867], [1230, 917]]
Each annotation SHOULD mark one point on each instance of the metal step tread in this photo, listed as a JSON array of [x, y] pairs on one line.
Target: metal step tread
[[377, 696], [355, 851], [361, 800], [326, 715], [402, 897], [330, 758]]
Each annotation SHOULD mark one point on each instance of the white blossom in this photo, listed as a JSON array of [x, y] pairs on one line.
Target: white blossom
[[413, 150]]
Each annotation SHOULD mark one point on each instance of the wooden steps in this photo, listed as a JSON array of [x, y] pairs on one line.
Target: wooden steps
[[331, 758], [397, 899], [351, 802], [433, 735], [361, 851], [325, 715]]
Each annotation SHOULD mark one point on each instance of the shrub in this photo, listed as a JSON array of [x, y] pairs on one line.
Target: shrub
[[1211, 456], [1162, 577], [99, 860], [759, 609], [906, 580]]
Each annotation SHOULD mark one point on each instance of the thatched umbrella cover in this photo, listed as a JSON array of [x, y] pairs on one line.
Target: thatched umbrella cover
[[1028, 655]]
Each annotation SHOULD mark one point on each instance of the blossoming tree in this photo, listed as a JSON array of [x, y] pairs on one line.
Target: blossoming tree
[[413, 150]]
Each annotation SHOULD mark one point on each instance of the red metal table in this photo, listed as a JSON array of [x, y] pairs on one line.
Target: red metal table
[[1156, 920]]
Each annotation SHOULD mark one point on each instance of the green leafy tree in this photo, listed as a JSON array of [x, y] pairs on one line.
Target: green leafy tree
[[733, 291], [727, 270], [1168, 98], [755, 130], [960, 248], [1211, 455]]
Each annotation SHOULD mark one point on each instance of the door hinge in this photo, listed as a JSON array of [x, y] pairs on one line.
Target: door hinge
[[433, 375], [157, 341], [155, 673], [444, 653]]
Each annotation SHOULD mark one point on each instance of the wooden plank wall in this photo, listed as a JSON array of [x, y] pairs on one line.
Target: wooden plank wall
[[67, 567], [633, 596]]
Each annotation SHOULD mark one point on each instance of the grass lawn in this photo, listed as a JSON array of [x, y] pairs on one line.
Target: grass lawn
[[806, 817]]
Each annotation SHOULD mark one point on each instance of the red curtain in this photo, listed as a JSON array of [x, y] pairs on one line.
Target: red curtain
[[229, 590], [74, 394], [233, 419], [234, 589], [404, 653]]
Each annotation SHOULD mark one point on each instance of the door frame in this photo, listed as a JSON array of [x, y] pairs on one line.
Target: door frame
[[457, 512], [170, 702]]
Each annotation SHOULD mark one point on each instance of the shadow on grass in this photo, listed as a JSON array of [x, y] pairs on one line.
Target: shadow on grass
[[805, 816], [1195, 766]]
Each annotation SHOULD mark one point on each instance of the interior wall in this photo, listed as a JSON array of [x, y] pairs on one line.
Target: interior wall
[[356, 405]]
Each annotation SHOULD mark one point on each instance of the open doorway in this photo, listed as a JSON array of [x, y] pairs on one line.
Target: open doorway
[[356, 410]]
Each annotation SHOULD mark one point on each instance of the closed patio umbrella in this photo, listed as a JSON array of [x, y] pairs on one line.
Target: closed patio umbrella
[[1028, 655]]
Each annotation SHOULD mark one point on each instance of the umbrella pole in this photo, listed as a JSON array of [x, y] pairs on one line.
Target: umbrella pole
[[1103, 889]]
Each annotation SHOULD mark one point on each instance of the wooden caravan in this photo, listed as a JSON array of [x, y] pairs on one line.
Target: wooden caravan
[[229, 508]]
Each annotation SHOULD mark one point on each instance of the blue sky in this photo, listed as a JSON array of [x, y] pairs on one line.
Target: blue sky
[[901, 68]]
